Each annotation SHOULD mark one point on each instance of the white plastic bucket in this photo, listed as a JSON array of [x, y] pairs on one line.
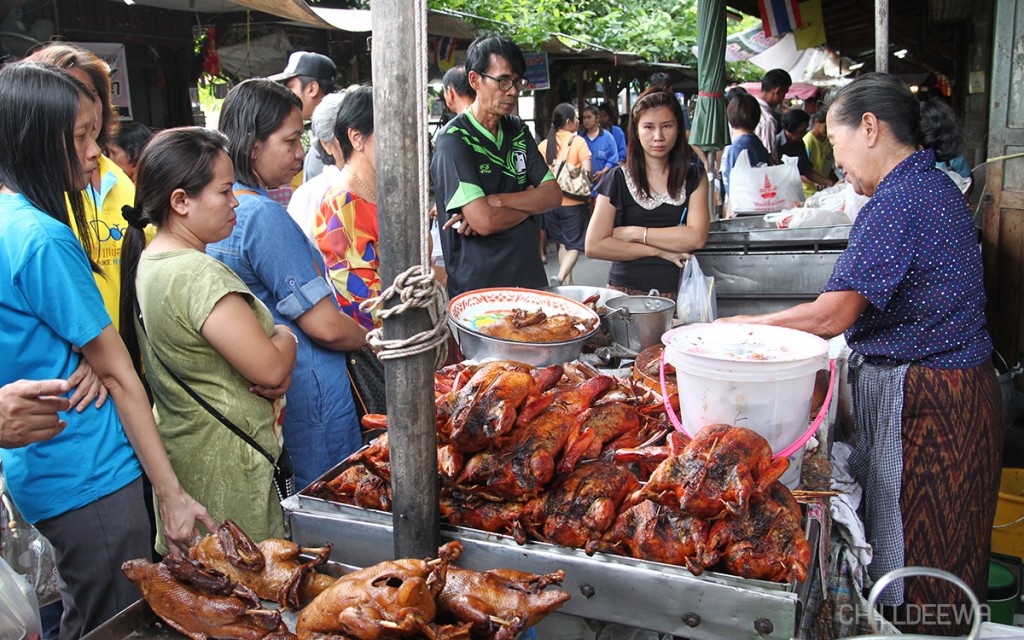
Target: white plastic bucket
[[749, 375]]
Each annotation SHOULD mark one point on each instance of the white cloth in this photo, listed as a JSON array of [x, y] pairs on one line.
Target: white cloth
[[844, 507], [306, 200], [767, 129]]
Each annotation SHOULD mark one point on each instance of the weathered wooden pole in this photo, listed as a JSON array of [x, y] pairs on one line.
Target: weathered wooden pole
[[882, 36], [399, 51]]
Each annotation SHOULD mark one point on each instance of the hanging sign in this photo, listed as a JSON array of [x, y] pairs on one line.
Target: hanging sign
[[537, 71], [113, 54]]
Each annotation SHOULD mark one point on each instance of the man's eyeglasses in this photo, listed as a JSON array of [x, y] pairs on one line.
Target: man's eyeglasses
[[507, 83]]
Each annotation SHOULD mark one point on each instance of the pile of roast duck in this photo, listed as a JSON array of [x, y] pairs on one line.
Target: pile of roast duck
[[218, 592], [564, 455]]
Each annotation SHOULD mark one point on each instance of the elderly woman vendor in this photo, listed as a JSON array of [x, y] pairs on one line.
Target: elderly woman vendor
[[908, 294]]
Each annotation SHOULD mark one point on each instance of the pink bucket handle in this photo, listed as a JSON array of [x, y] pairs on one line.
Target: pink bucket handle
[[785, 453]]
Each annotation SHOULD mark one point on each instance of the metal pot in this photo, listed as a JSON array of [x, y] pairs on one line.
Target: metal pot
[[638, 322], [478, 346], [579, 293]]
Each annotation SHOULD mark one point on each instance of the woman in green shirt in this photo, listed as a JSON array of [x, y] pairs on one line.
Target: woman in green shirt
[[202, 323]]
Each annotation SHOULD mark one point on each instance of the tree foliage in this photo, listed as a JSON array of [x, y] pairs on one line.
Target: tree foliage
[[657, 30]]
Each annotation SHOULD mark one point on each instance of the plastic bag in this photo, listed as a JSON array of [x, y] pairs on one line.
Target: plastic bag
[[19, 612], [764, 189], [26, 550], [807, 217], [696, 300]]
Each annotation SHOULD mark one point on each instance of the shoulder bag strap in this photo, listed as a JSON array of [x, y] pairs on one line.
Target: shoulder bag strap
[[203, 403]]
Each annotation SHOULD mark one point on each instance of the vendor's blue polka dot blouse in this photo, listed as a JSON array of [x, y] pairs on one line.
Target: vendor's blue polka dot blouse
[[914, 255]]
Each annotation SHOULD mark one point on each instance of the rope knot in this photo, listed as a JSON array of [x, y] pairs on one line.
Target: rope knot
[[416, 287]]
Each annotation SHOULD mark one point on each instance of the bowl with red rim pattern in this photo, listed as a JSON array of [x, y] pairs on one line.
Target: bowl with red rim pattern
[[470, 311]]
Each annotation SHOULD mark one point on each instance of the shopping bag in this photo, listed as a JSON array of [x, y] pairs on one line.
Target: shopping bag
[[19, 612], [572, 180], [26, 550], [764, 189], [696, 299]]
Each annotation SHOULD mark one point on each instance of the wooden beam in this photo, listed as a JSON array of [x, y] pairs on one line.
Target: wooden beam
[[398, 78]]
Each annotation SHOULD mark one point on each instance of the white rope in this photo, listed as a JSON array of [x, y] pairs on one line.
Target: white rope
[[416, 287]]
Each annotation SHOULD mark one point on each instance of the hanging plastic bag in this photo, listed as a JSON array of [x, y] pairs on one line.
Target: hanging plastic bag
[[696, 300], [19, 612], [764, 189], [26, 550]]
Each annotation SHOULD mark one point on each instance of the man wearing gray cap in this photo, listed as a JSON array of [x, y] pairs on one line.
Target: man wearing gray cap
[[310, 76]]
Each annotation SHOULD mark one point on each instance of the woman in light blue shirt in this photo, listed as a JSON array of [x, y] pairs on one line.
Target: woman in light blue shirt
[[282, 267]]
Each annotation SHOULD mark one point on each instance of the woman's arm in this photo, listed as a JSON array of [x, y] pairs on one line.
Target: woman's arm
[[233, 330], [830, 314], [682, 238], [330, 328], [178, 510], [601, 242]]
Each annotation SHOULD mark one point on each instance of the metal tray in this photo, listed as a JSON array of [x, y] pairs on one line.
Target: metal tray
[[138, 622], [605, 587], [753, 230]]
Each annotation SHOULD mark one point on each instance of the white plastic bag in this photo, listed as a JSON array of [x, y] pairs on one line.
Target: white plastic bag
[[807, 217], [19, 613], [696, 300], [764, 189]]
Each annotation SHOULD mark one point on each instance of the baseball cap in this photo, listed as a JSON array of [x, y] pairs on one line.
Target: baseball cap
[[307, 63]]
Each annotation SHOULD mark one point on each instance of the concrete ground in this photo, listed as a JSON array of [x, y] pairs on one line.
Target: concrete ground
[[587, 272]]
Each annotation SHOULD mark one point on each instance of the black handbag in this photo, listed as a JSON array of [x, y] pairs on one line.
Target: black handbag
[[366, 377], [284, 474]]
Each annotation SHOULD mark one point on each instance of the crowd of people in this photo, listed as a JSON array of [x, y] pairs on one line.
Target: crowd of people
[[238, 313]]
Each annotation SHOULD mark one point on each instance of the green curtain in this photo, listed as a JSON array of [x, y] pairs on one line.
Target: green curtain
[[710, 130]]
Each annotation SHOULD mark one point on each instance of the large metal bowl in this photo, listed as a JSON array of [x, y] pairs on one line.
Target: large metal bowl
[[465, 309]]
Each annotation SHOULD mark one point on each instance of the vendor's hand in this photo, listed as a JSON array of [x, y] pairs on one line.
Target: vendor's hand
[[433, 213], [272, 393], [87, 387], [179, 513], [737, 320], [28, 411]]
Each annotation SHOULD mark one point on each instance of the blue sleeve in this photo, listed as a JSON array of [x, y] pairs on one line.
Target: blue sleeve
[[286, 262], [613, 150], [959, 164], [620, 141], [58, 285], [879, 254]]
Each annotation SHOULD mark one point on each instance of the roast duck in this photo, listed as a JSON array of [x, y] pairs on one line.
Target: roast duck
[[272, 568], [536, 326], [203, 603], [430, 598], [559, 454], [406, 598]]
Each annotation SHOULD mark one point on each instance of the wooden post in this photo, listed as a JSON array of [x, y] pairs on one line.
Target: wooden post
[[397, 77], [882, 36]]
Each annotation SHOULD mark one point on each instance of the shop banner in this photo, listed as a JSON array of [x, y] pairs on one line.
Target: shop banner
[[113, 54], [537, 77], [747, 44]]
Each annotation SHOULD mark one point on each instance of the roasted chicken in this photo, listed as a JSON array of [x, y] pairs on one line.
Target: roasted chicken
[[468, 510], [521, 468], [767, 542], [486, 408], [720, 470], [356, 485], [388, 600], [606, 423], [272, 568], [525, 326], [202, 603], [502, 602], [584, 504], [652, 531]]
